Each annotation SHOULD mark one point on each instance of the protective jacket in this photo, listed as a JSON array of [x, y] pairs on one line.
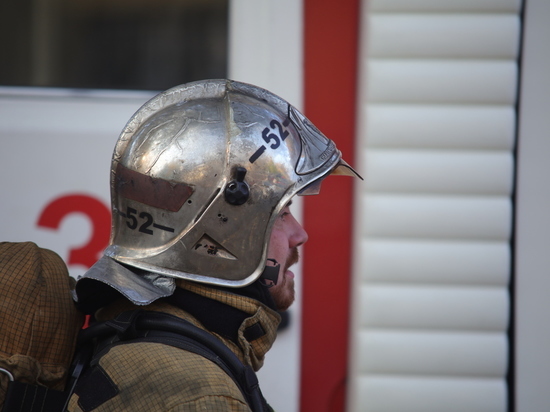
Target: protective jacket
[[147, 376]]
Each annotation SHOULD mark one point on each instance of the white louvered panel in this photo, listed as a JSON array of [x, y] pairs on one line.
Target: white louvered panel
[[414, 261], [442, 81], [481, 36], [437, 217], [434, 307], [379, 393], [466, 172], [434, 215], [439, 127], [453, 354]]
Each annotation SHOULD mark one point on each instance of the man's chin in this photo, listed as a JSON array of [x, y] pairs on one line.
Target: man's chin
[[283, 297]]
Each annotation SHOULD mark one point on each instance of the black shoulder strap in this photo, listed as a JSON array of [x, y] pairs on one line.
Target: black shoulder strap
[[143, 326]]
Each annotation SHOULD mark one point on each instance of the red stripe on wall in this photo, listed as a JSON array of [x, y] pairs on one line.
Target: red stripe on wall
[[330, 47]]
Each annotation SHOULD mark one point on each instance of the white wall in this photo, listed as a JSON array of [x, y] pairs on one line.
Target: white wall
[[55, 144]]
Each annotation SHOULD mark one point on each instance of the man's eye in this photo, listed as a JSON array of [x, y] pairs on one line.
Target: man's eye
[[285, 212]]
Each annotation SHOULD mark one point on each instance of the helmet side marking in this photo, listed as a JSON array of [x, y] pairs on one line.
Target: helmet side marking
[[151, 191], [272, 139], [208, 246]]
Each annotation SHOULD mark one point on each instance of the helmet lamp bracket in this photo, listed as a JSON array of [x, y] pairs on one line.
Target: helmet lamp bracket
[[237, 190]]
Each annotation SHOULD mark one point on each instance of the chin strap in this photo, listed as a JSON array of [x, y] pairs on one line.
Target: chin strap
[[270, 275]]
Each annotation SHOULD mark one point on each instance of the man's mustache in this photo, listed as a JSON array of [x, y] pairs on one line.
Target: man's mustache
[[292, 259]]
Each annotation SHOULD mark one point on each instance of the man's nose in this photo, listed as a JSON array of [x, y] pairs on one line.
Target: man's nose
[[299, 235]]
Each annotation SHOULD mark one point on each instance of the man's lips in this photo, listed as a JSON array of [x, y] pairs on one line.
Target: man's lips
[[292, 259]]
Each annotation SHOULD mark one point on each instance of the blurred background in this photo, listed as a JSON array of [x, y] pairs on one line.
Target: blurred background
[[423, 287], [130, 45]]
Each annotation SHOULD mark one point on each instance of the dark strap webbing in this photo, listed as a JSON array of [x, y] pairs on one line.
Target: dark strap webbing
[[23, 397]]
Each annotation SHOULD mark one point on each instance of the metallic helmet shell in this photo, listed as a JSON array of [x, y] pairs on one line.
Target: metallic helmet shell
[[179, 155]]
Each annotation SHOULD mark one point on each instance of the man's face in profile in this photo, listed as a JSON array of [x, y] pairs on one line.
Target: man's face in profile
[[286, 236]]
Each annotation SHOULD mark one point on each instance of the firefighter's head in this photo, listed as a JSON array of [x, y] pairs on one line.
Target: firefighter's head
[[202, 176]]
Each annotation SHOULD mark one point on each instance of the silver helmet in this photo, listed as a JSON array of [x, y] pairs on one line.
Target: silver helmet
[[200, 173]]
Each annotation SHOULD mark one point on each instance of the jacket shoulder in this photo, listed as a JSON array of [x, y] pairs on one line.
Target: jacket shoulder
[[155, 377]]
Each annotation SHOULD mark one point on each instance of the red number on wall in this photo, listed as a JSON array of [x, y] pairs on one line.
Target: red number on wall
[[95, 210]]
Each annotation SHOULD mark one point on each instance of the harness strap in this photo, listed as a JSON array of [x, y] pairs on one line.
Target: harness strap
[[144, 326]]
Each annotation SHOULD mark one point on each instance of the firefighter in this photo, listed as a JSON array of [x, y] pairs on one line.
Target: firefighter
[[202, 178]]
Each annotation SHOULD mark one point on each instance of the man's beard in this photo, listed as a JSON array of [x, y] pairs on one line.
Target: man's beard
[[283, 293]]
